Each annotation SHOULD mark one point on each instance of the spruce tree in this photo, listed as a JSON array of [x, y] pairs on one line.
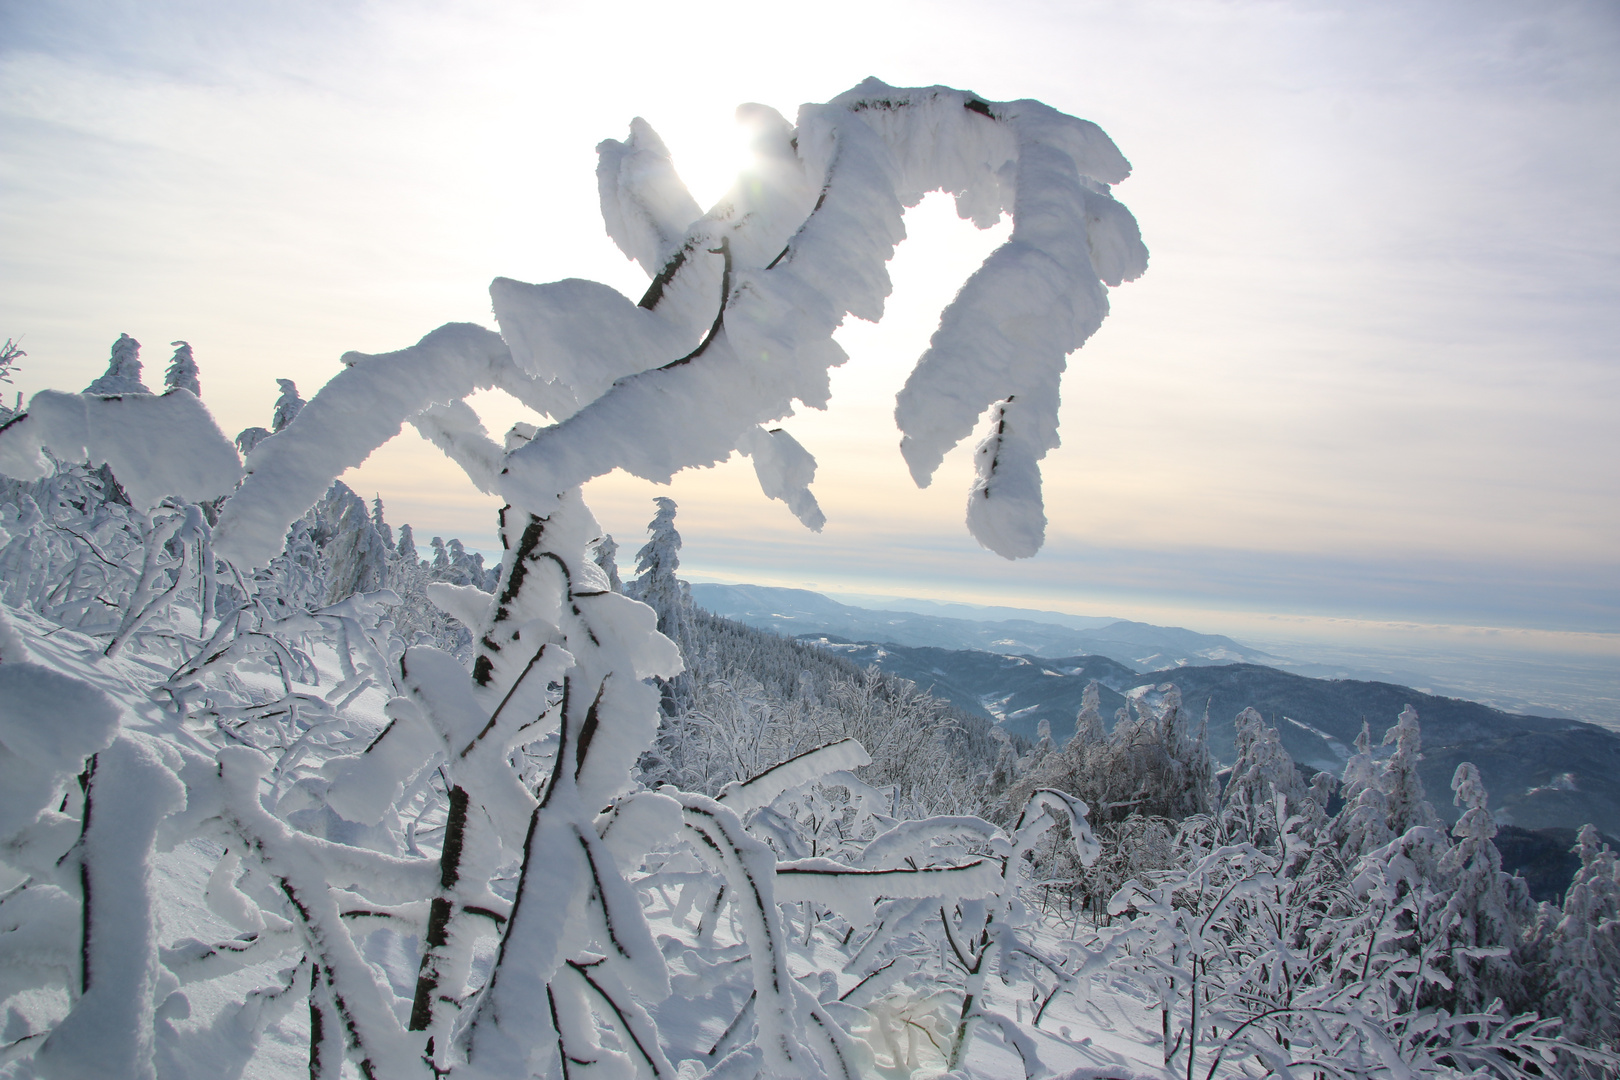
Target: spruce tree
[[605, 553], [1403, 788], [379, 523], [288, 405], [182, 373], [123, 374], [406, 548], [656, 584], [10, 353], [1479, 916], [1584, 960], [1362, 824]]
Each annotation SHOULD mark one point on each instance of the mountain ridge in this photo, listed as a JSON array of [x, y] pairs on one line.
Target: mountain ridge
[[1142, 646]]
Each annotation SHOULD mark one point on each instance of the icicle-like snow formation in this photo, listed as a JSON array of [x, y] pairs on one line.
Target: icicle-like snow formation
[[785, 470]]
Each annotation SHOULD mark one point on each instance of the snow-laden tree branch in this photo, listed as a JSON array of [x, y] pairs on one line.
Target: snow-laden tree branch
[[738, 323]]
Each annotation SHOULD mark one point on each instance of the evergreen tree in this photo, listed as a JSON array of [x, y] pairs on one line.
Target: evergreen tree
[[288, 405], [1044, 746], [605, 553], [1004, 773], [1263, 769], [1403, 788], [123, 374], [1088, 724], [10, 353], [1584, 960], [1479, 917], [1362, 824], [356, 557], [656, 584], [406, 550], [182, 373], [379, 523]]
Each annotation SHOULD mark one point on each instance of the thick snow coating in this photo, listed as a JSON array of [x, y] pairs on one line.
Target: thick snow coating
[[737, 323], [361, 408], [867, 155], [157, 446]]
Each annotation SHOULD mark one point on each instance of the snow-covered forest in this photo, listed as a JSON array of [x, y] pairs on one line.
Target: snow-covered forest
[[285, 791]]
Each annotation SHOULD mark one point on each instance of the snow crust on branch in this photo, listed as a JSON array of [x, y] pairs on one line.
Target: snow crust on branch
[[157, 445], [764, 789], [357, 411], [738, 321], [785, 470], [867, 155]]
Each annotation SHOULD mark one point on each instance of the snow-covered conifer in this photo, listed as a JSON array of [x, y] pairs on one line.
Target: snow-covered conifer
[[1403, 788], [123, 374], [1043, 748], [1584, 960], [357, 556], [288, 405], [10, 353], [248, 438], [1004, 772], [1088, 724], [182, 372], [605, 553], [380, 523], [1362, 824], [1479, 916], [406, 548], [656, 584], [1263, 769]]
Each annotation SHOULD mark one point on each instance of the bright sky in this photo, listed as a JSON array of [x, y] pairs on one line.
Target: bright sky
[[1370, 377]]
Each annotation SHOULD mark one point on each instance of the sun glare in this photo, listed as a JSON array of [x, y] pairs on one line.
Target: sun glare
[[709, 153]]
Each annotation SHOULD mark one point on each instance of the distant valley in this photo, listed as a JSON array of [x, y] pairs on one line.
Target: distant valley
[[1541, 772]]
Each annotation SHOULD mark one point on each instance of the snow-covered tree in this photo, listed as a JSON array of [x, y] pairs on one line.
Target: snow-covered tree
[[380, 523], [248, 438], [1403, 788], [1362, 824], [1262, 771], [287, 406], [123, 374], [1486, 907], [656, 583], [1088, 725], [357, 555], [1584, 958], [406, 548], [182, 372], [605, 553]]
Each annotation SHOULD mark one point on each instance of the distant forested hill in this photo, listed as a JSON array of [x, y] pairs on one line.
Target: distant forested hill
[[1541, 772]]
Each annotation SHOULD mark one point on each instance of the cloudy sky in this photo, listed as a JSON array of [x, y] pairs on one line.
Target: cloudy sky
[[1370, 379]]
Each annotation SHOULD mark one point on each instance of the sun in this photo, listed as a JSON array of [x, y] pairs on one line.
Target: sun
[[709, 155]]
